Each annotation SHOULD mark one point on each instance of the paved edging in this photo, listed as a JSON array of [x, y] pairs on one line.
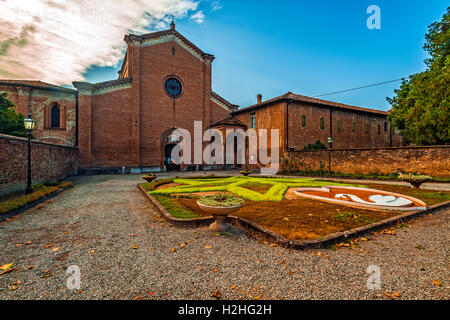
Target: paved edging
[[295, 244], [31, 205]]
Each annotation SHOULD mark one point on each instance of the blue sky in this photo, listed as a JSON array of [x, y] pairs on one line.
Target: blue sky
[[308, 47]]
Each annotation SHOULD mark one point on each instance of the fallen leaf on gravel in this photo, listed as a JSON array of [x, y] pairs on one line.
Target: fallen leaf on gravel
[[48, 246], [216, 294], [17, 282], [273, 245], [28, 243], [135, 247], [436, 283], [364, 239], [319, 253], [290, 273], [138, 298], [420, 247], [7, 271], [390, 232], [232, 287], [215, 270], [18, 245], [208, 247], [29, 268], [7, 266], [390, 296], [256, 298], [173, 250], [395, 293], [80, 291], [183, 245], [133, 235], [47, 274], [93, 251], [151, 293], [14, 288], [55, 249]]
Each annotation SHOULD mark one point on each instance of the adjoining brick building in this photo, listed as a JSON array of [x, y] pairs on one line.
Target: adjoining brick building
[[304, 120], [164, 84]]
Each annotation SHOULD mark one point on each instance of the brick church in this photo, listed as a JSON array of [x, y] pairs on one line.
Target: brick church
[[165, 83]]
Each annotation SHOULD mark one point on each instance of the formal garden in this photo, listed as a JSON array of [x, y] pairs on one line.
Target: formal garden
[[275, 203]]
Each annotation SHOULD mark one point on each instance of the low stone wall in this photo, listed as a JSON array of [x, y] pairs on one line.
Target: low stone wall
[[433, 160], [49, 163]]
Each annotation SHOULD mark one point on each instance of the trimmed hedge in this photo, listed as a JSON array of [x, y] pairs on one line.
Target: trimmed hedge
[[21, 201]]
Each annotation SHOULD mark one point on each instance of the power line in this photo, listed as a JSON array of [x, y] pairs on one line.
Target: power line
[[368, 86]]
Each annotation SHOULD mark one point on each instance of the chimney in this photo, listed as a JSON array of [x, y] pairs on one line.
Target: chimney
[[259, 98], [172, 25]]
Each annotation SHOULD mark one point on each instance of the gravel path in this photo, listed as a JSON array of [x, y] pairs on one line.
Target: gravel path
[[96, 224]]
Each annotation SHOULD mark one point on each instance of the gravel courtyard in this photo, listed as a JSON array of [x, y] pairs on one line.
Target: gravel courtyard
[[123, 249]]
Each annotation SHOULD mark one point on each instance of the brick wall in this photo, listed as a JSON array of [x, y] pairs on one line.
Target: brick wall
[[357, 129], [433, 160], [49, 163]]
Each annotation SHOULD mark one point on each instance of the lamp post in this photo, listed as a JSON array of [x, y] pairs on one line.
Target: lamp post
[[330, 142], [29, 124]]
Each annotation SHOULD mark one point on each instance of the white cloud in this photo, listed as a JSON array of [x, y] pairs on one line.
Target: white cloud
[[57, 40], [198, 17], [216, 6]]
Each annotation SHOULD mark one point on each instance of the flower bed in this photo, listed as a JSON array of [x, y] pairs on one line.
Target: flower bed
[[276, 213], [21, 201]]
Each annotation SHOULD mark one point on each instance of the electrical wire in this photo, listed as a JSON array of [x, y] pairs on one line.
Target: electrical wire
[[363, 87]]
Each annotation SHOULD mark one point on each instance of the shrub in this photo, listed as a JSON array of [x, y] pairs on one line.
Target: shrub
[[222, 200], [316, 146]]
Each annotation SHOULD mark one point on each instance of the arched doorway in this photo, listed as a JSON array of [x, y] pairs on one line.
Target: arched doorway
[[169, 142]]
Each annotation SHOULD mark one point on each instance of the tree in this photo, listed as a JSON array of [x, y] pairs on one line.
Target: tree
[[11, 122], [421, 107]]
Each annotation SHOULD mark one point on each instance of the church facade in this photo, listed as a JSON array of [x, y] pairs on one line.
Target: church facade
[[165, 84]]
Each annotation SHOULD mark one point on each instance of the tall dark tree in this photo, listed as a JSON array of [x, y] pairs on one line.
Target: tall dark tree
[[11, 122], [421, 107]]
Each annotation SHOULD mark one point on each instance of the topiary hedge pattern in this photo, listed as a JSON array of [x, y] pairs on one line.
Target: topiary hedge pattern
[[233, 184]]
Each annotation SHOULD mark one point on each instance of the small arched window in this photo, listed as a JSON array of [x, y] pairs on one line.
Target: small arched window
[[56, 117]]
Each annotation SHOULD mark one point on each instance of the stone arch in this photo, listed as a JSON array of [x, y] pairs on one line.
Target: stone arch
[[167, 143]]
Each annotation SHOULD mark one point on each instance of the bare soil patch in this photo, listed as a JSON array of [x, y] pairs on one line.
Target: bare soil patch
[[301, 219]]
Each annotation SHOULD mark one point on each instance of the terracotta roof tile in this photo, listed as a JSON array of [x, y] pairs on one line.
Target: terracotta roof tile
[[300, 98], [34, 84]]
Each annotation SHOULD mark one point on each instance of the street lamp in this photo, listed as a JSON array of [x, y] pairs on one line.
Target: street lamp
[[330, 142], [29, 124]]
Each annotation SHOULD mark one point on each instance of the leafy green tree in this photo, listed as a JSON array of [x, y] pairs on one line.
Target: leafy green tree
[[421, 107], [11, 122]]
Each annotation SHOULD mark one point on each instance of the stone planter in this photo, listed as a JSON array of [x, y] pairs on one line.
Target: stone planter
[[416, 183], [220, 214], [149, 178]]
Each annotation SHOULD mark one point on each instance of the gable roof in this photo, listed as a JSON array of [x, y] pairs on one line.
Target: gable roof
[[165, 33], [229, 105], [35, 84], [229, 122], [300, 98]]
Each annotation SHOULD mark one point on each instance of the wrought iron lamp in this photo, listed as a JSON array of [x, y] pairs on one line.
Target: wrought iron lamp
[[29, 124]]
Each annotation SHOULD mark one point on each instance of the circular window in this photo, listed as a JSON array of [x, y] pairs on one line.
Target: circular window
[[173, 87]]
